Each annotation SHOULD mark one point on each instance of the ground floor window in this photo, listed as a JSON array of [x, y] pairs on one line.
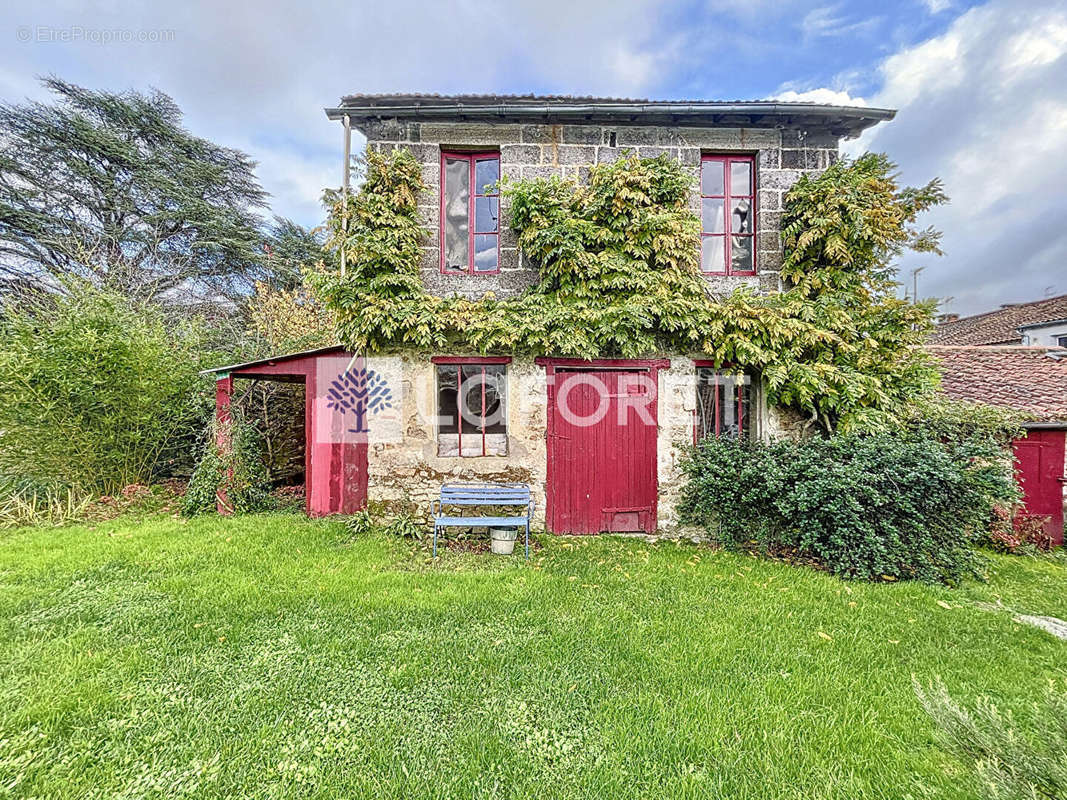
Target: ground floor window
[[471, 408], [723, 404]]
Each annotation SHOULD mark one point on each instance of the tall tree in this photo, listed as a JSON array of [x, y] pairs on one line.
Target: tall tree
[[110, 188], [289, 249]]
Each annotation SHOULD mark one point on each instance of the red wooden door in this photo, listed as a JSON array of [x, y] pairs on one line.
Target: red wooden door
[[1039, 468], [601, 451]]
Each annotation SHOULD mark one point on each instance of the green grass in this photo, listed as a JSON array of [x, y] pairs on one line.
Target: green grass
[[266, 656]]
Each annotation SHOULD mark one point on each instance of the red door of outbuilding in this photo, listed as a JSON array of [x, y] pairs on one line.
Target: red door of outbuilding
[[1039, 467], [602, 430]]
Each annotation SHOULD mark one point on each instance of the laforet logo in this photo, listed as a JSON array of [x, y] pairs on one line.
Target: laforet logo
[[359, 392]]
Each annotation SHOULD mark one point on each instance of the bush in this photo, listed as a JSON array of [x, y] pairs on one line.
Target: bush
[[888, 506], [1017, 532], [96, 392], [235, 475], [1009, 763]]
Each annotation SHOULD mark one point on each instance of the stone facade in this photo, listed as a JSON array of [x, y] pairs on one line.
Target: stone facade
[[406, 471], [405, 468], [541, 151]]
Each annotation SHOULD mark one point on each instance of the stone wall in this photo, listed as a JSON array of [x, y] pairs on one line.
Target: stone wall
[[541, 151], [406, 472]]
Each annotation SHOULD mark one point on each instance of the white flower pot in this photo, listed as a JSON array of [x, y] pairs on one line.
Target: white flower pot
[[502, 540]]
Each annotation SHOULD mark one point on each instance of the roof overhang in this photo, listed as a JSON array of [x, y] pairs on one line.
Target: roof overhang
[[1054, 425], [272, 360], [837, 120]]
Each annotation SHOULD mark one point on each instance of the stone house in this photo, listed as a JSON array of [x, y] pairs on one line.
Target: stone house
[[599, 441]]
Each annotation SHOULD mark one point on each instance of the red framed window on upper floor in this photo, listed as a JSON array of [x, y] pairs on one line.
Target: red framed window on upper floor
[[470, 213], [728, 215]]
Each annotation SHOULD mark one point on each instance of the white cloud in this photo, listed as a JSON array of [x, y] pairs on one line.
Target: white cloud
[[830, 22], [982, 106], [937, 6], [831, 97]]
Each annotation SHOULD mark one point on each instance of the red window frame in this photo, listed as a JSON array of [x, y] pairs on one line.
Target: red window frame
[[472, 160], [743, 399], [459, 362], [728, 193]]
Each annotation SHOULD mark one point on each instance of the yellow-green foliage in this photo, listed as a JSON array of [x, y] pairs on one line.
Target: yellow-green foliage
[[619, 277]]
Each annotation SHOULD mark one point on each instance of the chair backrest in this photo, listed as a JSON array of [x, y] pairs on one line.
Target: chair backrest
[[485, 494]]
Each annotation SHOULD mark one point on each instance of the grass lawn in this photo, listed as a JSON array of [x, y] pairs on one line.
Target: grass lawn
[[268, 656]]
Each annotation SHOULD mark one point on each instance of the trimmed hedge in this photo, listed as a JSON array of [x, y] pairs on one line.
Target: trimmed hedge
[[886, 506]]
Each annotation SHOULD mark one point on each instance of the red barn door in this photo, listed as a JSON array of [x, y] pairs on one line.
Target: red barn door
[[1039, 468], [602, 431]]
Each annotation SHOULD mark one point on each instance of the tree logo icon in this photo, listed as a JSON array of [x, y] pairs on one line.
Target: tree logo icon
[[359, 392]]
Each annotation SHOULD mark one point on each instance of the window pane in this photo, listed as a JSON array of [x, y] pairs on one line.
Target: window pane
[[485, 252], [486, 214], [727, 409], [712, 216], [740, 178], [713, 254], [486, 174], [456, 212], [741, 221], [495, 393], [447, 376], [741, 254], [711, 178], [471, 396]]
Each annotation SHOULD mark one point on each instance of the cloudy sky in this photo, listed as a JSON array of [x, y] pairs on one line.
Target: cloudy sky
[[980, 87]]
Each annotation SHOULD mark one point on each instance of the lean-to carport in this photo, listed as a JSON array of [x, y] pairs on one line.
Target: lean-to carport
[[335, 463]]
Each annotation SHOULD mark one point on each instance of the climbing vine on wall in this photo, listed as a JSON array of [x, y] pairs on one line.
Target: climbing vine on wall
[[617, 258]]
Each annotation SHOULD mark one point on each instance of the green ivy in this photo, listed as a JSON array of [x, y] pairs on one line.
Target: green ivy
[[618, 264]]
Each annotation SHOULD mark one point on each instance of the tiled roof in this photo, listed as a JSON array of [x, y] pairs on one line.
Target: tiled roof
[[1000, 326], [1029, 379]]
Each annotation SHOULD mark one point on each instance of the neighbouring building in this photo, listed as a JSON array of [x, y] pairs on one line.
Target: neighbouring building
[[1032, 380], [1041, 322], [599, 441]]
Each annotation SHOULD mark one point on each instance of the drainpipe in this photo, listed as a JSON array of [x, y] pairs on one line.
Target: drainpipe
[[344, 190]]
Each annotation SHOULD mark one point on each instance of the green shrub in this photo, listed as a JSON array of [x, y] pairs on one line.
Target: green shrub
[[235, 475], [96, 393], [1010, 763], [894, 506]]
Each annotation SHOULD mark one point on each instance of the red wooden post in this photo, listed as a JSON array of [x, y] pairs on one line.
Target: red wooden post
[[223, 397]]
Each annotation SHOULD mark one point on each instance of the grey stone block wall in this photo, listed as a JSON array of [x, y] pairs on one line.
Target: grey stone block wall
[[541, 151]]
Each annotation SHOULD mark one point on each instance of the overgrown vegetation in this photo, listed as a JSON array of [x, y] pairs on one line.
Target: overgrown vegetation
[[885, 506], [1013, 758], [231, 474], [96, 392], [619, 277]]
